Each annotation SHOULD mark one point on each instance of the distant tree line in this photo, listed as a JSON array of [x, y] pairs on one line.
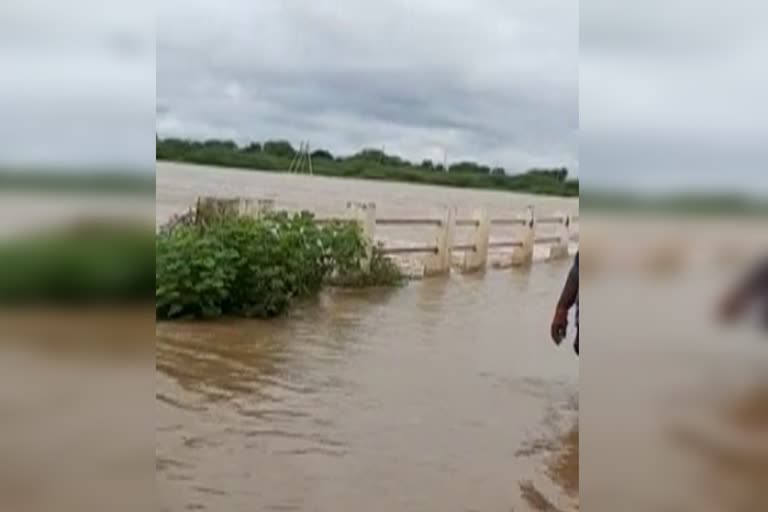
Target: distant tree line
[[276, 155]]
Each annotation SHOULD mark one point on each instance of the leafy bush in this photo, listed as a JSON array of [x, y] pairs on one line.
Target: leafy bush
[[251, 267], [92, 262], [382, 271]]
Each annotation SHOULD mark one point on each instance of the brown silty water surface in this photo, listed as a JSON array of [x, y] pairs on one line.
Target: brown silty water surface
[[673, 405], [446, 394], [179, 186]]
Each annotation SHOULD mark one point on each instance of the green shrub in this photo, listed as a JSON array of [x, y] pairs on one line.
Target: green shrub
[[382, 271], [88, 263], [251, 267]]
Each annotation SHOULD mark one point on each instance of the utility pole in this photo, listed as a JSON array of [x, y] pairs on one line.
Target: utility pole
[[302, 158]]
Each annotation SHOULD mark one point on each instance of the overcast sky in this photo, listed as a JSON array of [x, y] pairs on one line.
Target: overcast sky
[[655, 94], [490, 80], [673, 94], [77, 84]]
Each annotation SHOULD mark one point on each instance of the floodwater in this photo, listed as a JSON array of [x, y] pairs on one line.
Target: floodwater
[[674, 406], [446, 394], [23, 213], [179, 185], [429, 398]]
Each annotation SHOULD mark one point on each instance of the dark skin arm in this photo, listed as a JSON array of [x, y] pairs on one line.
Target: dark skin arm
[[738, 299], [569, 293], [567, 300]]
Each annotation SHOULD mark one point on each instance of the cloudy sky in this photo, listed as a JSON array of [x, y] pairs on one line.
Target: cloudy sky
[[652, 95], [77, 84], [491, 80], [672, 94]]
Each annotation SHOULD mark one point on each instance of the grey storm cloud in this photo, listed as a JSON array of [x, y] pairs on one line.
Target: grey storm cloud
[[490, 80], [672, 94]]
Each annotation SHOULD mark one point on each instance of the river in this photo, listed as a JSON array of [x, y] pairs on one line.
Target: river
[[444, 395]]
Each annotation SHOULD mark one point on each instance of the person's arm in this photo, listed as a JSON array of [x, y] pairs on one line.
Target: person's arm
[[737, 300], [570, 290], [565, 303]]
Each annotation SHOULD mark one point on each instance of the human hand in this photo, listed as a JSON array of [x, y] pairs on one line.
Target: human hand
[[559, 325]]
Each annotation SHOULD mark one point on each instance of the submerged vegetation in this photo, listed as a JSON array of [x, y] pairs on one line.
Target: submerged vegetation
[[367, 164], [256, 267]]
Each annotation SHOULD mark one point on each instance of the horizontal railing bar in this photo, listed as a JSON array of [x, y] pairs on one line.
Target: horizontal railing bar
[[409, 222], [332, 220], [438, 222], [408, 250], [508, 243], [547, 240], [509, 222], [465, 247]]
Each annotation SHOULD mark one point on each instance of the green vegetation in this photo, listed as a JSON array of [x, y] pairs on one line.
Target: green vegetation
[[367, 164], [679, 204], [382, 271], [124, 183], [89, 263], [255, 267]]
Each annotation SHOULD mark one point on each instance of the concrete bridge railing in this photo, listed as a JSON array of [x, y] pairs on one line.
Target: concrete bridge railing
[[438, 256]]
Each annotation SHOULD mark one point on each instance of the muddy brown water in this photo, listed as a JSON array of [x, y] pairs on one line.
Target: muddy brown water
[[672, 403], [178, 186], [443, 395], [418, 399], [414, 399]]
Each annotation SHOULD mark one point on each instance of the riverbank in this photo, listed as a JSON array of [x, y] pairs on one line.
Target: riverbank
[[368, 165]]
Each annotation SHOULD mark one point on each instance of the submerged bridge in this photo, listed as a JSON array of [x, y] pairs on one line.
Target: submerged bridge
[[444, 251]]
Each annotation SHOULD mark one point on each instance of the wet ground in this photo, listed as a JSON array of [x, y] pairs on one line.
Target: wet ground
[[444, 395]]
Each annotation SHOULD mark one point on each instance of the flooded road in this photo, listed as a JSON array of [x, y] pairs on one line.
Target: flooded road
[[443, 395]]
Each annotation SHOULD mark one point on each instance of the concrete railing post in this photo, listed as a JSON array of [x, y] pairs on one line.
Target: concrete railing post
[[523, 255], [478, 259], [255, 207], [365, 216], [265, 206], [209, 209], [440, 263], [563, 232]]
